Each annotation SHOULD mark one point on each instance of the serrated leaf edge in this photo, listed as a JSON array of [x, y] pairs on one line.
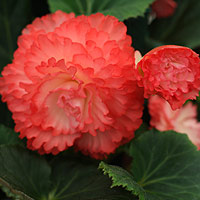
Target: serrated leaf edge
[[114, 184], [14, 191]]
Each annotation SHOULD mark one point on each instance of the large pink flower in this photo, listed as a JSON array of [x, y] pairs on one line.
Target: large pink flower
[[182, 120], [72, 83], [164, 8], [172, 72]]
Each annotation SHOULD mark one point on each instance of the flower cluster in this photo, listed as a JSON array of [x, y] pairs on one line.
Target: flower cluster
[[72, 83], [76, 81], [182, 120], [171, 71]]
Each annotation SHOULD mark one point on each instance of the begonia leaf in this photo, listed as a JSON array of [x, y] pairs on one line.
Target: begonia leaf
[[8, 136], [122, 9], [26, 175], [14, 15], [67, 6], [73, 180], [182, 28], [121, 177], [23, 173], [165, 166]]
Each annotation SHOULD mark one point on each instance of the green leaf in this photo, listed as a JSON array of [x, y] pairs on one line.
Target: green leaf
[[67, 6], [9, 193], [8, 136], [122, 9], [121, 177], [72, 180], [183, 28], [14, 15], [166, 165], [24, 173]]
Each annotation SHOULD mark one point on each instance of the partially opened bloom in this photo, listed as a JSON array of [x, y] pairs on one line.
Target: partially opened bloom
[[72, 83], [164, 8], [172, 72], [182, 120]]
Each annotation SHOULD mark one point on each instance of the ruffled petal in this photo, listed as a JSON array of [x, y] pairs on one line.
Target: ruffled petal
[[72, 83]]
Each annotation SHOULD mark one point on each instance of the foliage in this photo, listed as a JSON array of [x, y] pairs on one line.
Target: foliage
[[159, 165], [166, 165], [122, 9], [26, 175], [182, 28]]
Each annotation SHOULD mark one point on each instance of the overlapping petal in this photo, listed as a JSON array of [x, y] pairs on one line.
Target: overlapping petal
[[171, 71], [72, 83]]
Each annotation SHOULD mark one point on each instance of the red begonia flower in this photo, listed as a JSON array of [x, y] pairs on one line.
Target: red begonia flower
[[182, 120], [164, 8], [72, 83], [172, 72]]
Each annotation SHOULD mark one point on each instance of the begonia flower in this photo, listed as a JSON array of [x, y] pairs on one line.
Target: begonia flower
[[163, 8], [183, 120], [72, 83], [171, 71]]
